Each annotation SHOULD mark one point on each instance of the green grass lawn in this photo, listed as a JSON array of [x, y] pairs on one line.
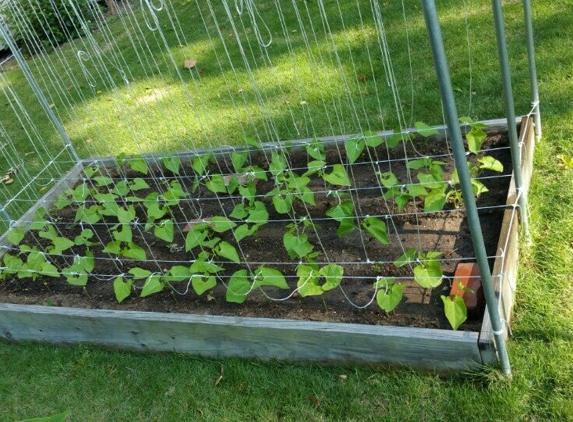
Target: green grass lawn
[[310, 81], [100, 385]]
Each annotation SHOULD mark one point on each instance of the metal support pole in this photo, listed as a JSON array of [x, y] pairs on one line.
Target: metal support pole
[[451, 114], [532, 67], [6, 215], [510, 111], [36, 88]]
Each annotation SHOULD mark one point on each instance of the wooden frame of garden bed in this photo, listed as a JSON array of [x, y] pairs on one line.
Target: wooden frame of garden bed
[[262, 338]]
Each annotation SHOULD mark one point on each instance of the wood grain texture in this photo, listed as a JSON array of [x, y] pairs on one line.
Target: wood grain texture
[[219, 336], [505, 269]]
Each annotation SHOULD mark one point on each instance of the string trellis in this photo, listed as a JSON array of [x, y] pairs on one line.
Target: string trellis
[[246, 145]]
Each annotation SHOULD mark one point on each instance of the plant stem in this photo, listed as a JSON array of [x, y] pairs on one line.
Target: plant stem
[[324, 303]]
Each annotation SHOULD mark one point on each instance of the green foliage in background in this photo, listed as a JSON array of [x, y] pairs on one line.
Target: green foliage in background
[[49, 22]]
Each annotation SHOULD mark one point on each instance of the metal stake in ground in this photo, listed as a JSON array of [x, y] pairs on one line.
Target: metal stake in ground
[[451, 114], [510, 112], [532, 67]]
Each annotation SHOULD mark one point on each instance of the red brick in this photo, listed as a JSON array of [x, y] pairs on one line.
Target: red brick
[[468, 274]]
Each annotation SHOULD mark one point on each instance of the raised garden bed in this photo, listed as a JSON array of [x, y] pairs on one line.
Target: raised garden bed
[[307, 328]]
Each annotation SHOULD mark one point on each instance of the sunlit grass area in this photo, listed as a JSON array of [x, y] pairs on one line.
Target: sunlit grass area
[[314, 70], [131, 93]]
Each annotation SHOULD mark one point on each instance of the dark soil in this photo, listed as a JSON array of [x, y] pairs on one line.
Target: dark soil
[[362, 257]]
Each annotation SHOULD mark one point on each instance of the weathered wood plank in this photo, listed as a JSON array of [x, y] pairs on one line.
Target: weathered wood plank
[[219, 336], [505, 269]]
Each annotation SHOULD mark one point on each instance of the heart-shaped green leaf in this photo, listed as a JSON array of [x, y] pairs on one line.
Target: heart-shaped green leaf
[[455, 310], [238, 287], [202, 283], [121, 288], [389, 298], [265, 276], [152, 285]]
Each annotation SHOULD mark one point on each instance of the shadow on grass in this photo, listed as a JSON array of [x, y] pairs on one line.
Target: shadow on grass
[[329, 78]]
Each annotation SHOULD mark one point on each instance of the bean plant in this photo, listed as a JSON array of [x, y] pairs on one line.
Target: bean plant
[[130, 210]]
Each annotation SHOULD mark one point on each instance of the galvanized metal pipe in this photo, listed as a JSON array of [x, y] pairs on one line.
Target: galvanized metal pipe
[[510, 111], [36, 88], [6, 59], [451, 115], [532, 67], [6, 215]]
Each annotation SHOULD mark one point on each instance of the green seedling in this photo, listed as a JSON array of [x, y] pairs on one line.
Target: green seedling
[[253, 213], [355, 146], [203, 271], [77, 273], [124, 187], [289, 186], [70, 196], [241, 283], [35, 264], [316, 150], [165, 230], [343, 213], [205, 236], [314, 281], [59, 243], [158, 205], [426, 266], [388, 293], [171, 163], [122, 288], [401, 194], [338, 176], [427, 271], [123, 244], [425, 130], [296, 243], [433, 190], [399, 136], [377, 228], [138, 164], [455, 307], [153, 283], [16, 235], [475, 170], [475, 135]]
